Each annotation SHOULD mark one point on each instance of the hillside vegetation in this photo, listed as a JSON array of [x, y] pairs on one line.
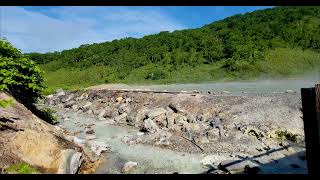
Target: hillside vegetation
[[273, 43]]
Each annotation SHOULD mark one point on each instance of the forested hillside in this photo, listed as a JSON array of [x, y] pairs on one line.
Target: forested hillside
[[276, 42]]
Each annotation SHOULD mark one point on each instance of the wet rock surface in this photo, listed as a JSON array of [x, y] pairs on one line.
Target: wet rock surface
[[246, 125]]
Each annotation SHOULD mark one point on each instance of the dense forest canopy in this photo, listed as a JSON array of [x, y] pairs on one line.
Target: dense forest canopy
[[235, 43]]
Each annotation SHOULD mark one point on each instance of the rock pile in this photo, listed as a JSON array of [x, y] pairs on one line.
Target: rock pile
[[236, 124]]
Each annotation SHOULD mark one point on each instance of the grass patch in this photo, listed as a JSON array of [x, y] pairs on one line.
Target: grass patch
[[6, 103], [21, 168], [285, 135]]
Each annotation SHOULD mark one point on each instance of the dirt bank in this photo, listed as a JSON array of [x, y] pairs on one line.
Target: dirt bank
[[26, 139]]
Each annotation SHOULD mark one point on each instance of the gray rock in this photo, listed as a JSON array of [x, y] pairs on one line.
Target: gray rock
[[156, 112], [215, 122], [192, 127], [98, 147], [70, 162], [140, 133], [83, 96], [49, 96], [129, 166], [124, 108], [141, 115], [234, 166], [121, 118], [180, 119], [164, 138], [60, 92], [75, 107], [202, 140], [126, 138], [190, 118], [289, 91], [101, 113], [90, 137], [111, 113], [150, 126], [226, 92], [213, 134], [216, 171], [175, 107], [161, 120], [128, 100], [88, 104], [67, 98], [90, 131], [170, 120], [69, 104], [89, 111]]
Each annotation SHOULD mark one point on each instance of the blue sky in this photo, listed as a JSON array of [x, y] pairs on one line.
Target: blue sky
[[48, 29]]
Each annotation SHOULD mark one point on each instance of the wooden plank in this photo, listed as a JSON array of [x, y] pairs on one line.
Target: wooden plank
[[317, 101], [311, 118], [317, 93], [310, 128]]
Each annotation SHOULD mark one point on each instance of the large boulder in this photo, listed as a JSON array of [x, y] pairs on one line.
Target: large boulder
[[213, 134], [192, 127], [156, 112], [180, 119], [70, 161], [26, 138], [124, 108], [141, 115], [129, 166], [161, 120], [150, 126], [121, 118], [170, 119]]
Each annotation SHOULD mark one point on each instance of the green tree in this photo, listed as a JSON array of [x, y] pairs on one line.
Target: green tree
[[19, 75]]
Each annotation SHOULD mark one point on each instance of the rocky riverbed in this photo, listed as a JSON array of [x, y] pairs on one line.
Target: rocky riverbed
[[187, 132]]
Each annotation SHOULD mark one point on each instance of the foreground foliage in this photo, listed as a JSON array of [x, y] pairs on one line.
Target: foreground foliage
[[22, 78], [19, 75]]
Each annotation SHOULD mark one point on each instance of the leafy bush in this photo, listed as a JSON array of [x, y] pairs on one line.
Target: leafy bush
[[22, 79], [19, 75]]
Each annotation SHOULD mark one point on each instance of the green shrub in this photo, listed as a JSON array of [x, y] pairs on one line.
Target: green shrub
[[18, 75], [22, 79], [287, 136]]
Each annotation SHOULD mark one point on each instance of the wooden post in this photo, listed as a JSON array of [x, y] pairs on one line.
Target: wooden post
[[311, 117]]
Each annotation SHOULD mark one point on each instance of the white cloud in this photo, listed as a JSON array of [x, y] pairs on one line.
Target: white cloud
[[35, 31]]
